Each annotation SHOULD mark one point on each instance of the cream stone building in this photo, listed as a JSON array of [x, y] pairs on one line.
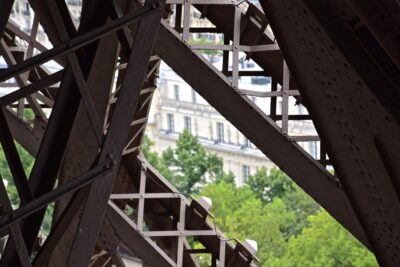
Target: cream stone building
[[176, 106]]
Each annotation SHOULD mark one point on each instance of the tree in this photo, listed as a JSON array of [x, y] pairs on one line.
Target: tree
[[228, 178], [274, 183], [239, 213], [290, 228], [303, 206], [205, 41], [191, 164], [27, 161], [270, 184], [324, 242], [154, 159]]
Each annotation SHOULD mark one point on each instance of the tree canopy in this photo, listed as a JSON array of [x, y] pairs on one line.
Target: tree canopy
[[188, 166], [290, 228]]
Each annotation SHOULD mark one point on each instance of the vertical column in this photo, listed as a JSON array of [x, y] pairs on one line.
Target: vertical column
[[181, 230], [235, 49], [285, 99], [222, 246], [186, 21], [142, 191]]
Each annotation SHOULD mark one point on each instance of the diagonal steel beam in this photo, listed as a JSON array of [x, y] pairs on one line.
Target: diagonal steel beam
[[260, 129], [13, 217], [78, 42], [82, 149], [51, 152], [42, 10], [350, 120], [23, 133], [5, 11], [136, 242], [13, 160], [79, 77], [344, 37], [59, 229], [31, 88], [115, 140], [14, 229], [382, 18]]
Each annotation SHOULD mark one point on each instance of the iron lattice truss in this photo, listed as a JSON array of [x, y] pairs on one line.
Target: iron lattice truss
[[90, 116]]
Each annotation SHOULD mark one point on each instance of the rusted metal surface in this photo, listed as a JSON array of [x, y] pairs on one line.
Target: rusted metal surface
[[357, 128]]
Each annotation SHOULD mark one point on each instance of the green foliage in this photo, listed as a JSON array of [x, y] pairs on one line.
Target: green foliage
[[187, 166], [28, 114], [326, 243], [228, 178], [303, 205], [290, 228], [27, 161], [268, 185], [240, 214], [154, 159], [205, 41]]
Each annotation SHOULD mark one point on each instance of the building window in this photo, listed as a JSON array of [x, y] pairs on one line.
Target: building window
[[259, 80], [176, 91], [313, 149], [171, 123], [245, 173], [196, 15], [301, 109], [247, 143], [250, 64], [188, 123], [193, 96], [280, 106], [27, 10], [220, 132]]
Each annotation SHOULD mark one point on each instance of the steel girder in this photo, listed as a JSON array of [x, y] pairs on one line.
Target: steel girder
[[361, 133], [51, 150], [381, 19]]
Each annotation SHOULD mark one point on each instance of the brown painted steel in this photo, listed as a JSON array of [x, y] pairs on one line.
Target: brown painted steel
[[349, 118]]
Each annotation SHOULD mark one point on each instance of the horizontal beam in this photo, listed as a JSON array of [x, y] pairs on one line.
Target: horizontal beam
[[42, 201], [137, 243], [31, 88]]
